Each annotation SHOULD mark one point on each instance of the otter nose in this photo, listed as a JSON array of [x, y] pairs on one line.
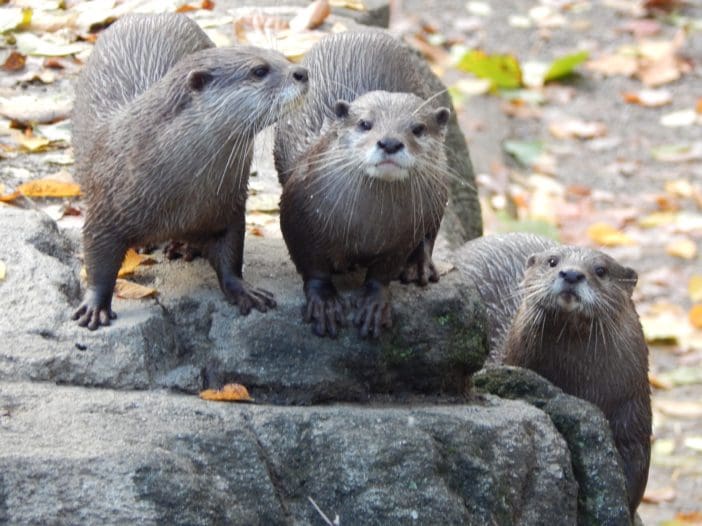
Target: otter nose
[[571, 276], [300, 74], [390, 145]]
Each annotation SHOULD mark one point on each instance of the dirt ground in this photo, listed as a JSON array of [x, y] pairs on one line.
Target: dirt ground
[[612, 178]]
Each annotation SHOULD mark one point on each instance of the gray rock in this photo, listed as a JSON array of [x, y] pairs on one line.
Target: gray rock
[[602, 496], [92, 456], [190, 337]]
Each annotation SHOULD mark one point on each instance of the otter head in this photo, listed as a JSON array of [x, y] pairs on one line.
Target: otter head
[[390, 134], [577, 281], [245, 85]]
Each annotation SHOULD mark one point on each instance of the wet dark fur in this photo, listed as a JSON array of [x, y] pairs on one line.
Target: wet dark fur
[[597, 352], [333, 217], [163, 128]]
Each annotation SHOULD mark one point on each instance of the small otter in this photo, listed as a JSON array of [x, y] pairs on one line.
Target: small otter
[[572, 320], [163, 129], [365, 175]]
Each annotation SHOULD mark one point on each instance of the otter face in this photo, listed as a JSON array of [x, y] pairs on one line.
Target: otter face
[[244, 84], [577, 280], [390, 134]]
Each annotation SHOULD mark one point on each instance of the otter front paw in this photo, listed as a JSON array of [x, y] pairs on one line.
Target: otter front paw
[[325, 309], [420, 268], [94, 311], [247, 297], [373, 310]]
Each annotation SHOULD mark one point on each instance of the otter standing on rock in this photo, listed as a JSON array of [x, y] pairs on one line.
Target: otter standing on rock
[[163, 129], [573, 321], [364, 173]]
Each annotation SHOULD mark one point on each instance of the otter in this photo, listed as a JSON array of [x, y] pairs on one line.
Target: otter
[[365, 176], [163, 129], [566, 312]]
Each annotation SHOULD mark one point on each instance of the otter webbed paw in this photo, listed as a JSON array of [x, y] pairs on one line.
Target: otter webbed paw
[[373, 310], [325, 309], [247, 297], [95, 310], [419, 267]]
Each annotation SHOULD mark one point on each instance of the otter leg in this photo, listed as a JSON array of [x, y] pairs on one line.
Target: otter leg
[[103, 257], [373, 308], [419, 267], [325, 308], [226, 255]]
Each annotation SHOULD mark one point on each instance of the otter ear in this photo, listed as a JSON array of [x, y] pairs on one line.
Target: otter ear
[[341, 109], [630, 279], [198, 79], [531, 261], [442, 116]]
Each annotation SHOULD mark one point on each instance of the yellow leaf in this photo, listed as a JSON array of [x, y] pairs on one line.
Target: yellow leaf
[[679, 188], [696, 316], [8, 198], [228, 393], [607, 235], [49, 188], [129, 290], [132, 259], [658, 219], [694, 288], [355, 5], [30, 143], [3, 270], [682, 248]]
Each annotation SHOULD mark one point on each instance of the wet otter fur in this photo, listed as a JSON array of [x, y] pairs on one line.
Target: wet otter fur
[[163, 128], [566, 312], [365, 175]]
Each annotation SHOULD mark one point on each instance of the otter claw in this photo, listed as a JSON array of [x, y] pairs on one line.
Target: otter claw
[[247, 297], [373, 312], [326, 315], [93, 316]]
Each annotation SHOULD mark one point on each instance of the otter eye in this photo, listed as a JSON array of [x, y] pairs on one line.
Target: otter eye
[[552, 261], [419, 129], [260, 71], [600, 271], [365, 125]]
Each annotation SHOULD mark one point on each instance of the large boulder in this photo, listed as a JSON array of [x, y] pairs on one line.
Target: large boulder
[[190, 337], [94, 456]]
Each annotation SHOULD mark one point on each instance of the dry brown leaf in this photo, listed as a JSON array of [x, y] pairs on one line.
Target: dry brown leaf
[[658, 383], [679, 408], [682, 248], [204, 4], [698, 105], [14, 62], [129, 290], [30, 142], [691, 517], [615, 64], [49, 188], [311, 17], [696, 316], [659, 62], [3, 270], [650, 98], [228, 393], [577, 129], [660, 495], [132, 259], [8, 198], [607, 235], [694, 288]]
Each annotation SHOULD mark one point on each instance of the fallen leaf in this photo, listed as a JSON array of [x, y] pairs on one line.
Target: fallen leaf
[[132, 259], [665, 323], [30, 142], [479, 8], [503, 71], [564, 66], [228, 393], [607, 235], [577, 129], [644, 27], [526, 152], [650, 98], [204, 4], [129, 290], [682, 376], [680, 188], [658, 61], [679, 118], [49, 188], [658, 496], [3, 270], [614, 64], [14, 62], [658, 382], [8, 198], [678, 408], [682, 248], [678, 153], [14, 18], [698, 105], [354, 5], [686, 518], [32, 109], [657, 219], [696, 316], [311, 17], [49, 45], [694, 288]]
